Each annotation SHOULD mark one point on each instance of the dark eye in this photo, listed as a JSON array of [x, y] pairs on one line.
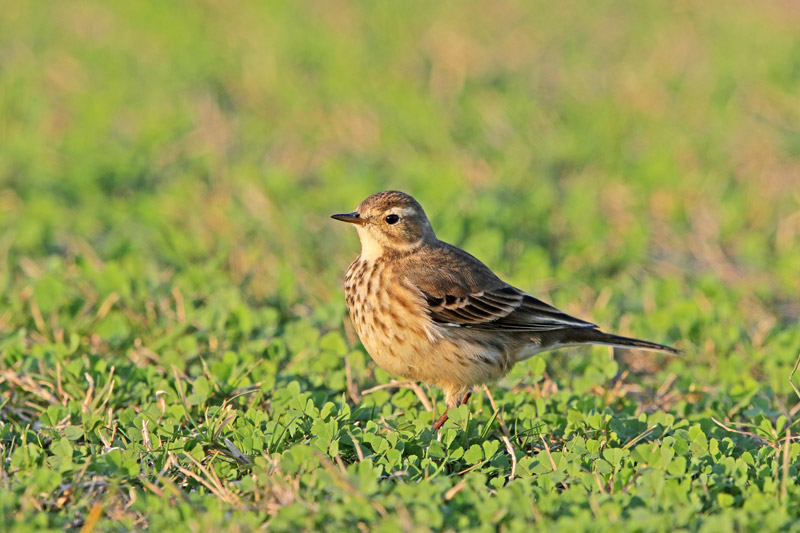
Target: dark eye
[[392, 219]]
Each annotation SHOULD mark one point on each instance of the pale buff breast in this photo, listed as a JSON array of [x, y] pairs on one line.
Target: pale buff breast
[[391, 319]]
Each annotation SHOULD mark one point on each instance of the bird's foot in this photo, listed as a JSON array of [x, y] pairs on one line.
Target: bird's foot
[[442, 419]]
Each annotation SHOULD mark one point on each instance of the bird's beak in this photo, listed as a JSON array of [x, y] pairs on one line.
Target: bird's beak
[[353, 218]]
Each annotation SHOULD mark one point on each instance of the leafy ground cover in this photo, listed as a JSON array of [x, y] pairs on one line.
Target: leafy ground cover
[[174, 352]]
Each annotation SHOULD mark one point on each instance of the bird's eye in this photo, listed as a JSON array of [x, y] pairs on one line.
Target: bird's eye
[[392, 219]]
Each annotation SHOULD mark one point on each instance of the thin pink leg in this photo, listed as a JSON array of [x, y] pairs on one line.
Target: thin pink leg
[[442, 419]]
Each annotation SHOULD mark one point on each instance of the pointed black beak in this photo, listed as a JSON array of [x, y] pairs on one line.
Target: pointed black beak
[[353, 218]]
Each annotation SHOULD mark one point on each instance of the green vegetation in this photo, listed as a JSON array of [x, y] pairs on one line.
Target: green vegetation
[[174, 352]]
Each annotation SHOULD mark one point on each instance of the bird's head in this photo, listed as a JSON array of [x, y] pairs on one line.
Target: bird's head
[[389, 221]]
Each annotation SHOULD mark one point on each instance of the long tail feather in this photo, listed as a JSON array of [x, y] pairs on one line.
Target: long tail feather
[[627, 342], [595, 336]]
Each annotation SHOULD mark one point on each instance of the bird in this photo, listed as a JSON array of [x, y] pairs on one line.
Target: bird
[[429, 311]]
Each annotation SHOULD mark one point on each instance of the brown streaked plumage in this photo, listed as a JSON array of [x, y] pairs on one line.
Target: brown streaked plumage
[[428, 311]]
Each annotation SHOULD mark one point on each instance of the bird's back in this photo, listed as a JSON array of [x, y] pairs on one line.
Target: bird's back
[[462, 292], [441, 269]]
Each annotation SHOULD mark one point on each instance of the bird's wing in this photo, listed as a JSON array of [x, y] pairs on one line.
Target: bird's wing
[[462, 292], [503, 308]]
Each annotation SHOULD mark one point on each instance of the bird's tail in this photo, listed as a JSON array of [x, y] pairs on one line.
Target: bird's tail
[[595, 336]]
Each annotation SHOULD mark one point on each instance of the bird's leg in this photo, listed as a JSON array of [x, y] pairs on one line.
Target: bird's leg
[[439, 423], [466, 397], [442, 419]]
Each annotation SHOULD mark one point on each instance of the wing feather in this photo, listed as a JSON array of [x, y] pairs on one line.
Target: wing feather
[[462, 292], [500, 310]]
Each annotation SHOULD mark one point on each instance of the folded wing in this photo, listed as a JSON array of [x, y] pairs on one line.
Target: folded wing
[[462, 292], [502, 308]]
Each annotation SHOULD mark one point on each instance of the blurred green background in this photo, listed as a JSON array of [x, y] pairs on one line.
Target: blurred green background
[[615, 150], [635, 163]]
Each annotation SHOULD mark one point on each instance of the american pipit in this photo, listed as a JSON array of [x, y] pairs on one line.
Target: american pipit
[[428, 311]]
